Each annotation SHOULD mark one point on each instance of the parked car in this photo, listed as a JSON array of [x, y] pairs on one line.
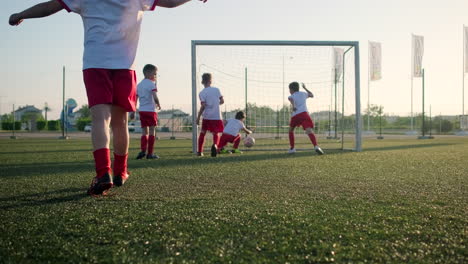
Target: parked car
[[134, 127], [87, 128]]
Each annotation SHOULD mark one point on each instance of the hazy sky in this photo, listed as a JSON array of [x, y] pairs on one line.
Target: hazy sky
[[34, 53]]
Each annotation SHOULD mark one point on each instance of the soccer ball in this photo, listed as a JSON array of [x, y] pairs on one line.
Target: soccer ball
[[249, 141]]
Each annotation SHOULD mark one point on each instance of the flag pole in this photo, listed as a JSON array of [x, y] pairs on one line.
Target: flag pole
[[412, 71], [462, 120], [368, 85]]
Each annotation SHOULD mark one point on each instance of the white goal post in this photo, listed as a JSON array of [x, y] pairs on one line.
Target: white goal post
[[281, 50]]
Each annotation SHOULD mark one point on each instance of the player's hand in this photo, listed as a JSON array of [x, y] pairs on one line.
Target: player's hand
[[15, 20], [198, 121], [158, 107]]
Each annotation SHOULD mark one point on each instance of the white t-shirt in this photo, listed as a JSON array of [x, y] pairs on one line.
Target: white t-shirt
[[111, 30], [145, 91], [233, 127], [210, 96], [299, 98]]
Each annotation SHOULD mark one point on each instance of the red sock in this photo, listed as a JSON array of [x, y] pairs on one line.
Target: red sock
[[102, 161], [151, 140], [313, 139], [120, 164], [222, 142], [216, 139], [144, 143], [291, 139], [236, 142], [201, 141]]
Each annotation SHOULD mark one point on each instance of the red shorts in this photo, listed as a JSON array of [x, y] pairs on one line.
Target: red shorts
[[302, 119], [107, 86], [214, 126], [148, 119]]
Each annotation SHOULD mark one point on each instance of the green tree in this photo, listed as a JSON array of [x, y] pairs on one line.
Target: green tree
[[46, 110], [84, 111]]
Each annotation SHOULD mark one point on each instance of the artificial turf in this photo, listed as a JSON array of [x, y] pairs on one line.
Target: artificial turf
[[398, 201]]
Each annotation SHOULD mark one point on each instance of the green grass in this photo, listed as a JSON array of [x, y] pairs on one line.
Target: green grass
[[399, 201]]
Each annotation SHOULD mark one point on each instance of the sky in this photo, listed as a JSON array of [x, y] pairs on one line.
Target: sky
[[34, 53]]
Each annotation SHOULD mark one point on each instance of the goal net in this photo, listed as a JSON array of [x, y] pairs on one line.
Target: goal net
[[253, 76]]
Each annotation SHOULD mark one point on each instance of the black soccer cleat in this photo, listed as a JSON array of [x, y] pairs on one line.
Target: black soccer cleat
[[152, 156], [141, 155], [214, 150], [100, 186], [119, 180]]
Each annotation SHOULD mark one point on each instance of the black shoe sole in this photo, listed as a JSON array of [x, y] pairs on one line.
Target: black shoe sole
[[118, 181], [101, 188], [214, 150]]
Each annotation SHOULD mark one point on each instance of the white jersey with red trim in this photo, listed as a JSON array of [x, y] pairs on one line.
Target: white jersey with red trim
[[233, 126], [210, 96], [111, 30], [145, 91], [299, 99]]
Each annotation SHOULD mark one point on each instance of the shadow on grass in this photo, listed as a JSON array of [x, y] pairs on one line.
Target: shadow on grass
[[413, 146], [46, 168], [39, 199], [48, 151], [225, 158], [181, 160]]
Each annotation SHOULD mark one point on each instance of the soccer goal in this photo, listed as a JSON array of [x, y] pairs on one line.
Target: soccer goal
[[253, 76]]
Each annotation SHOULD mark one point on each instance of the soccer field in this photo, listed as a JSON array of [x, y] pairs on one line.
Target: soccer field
[[398, 201]]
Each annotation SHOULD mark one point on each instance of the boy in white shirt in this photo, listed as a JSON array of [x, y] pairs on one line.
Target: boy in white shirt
[[210, 98], [149, 102], [111, 34], [300, 116], [231, 133]]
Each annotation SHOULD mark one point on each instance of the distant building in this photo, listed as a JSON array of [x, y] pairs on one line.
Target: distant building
[[31, 111], [20, 112]]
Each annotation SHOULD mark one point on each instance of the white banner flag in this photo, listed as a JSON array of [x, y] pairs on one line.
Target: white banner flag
[[418, 52], [338, 63], [466, 48], [375, 61]]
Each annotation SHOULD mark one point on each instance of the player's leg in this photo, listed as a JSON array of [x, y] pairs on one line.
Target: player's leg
[[100, 137], [313, 139], [143, 141], [151, 142], [222, 143], [291, 140], [308, 126], [216, 127], [120, 142], [201, 142], [123, 100], [99, 92], [236, 140]]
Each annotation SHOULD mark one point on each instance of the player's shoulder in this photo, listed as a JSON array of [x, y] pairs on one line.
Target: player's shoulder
[[214, 88]]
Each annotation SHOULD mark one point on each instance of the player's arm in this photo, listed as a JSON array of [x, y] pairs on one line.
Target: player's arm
[[174, 3], [247, 131], [40, 10], [133, 114], [221, 100], [156, 100], [202, 108], [309, 93]]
